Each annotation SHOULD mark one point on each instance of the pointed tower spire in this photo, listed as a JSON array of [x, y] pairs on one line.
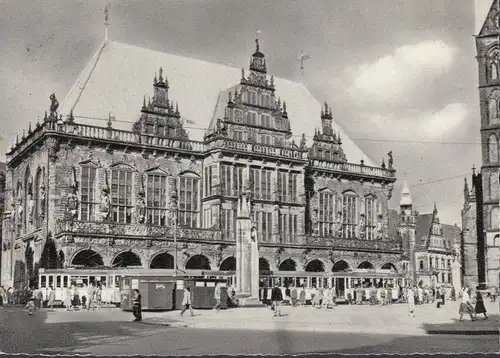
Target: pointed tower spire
[[435, 208], [106, 23], [160, 79], [406, 200], [466, 190]]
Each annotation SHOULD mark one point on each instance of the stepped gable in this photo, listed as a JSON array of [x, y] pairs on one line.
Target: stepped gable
[[118, 77]]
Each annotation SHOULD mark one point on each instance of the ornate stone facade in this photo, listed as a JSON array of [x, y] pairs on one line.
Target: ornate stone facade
[[129, 195]]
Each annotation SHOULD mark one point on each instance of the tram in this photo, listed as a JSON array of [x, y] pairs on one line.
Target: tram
[[110, 279], [344, 282]]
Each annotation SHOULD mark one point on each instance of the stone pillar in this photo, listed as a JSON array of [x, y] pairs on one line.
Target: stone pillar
[[456, 275], [247, 255]]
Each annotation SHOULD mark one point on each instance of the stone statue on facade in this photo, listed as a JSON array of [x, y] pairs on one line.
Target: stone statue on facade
[[72, 203], [391, 160], [13, 214], [54, 105], [338, 225], [42, 201], [315, 220], [31, 206], [361, 226], [104, 201], [141, 209], [20, 208]]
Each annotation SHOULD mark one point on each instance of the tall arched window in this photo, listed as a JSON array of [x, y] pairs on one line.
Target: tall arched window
[[122, 194], [349, 214], [28, 195], [493, 110], [156, 198], [37, 209], [88, 192], [326, 213], [493, 64], [493, 186], [371, 217], [188, 200], [493, 148], [494, 219]]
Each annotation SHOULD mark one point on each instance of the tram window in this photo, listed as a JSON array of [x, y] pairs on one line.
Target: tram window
[[325, 282], [314, 282], [65, 281], [43, 281], [125, 283], [117, 282], [288, 281], [58, 281], [51, 281]]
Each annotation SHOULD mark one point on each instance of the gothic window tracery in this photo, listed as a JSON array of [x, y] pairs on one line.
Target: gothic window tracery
[[371, 217], [493, 148]]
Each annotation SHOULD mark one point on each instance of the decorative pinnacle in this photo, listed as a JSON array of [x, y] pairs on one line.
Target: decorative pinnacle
[[29, 128], [230, 97], [144, 102], [161, 74], [257, 47], [71, 118], [45, 118], [284, 107], [24, 136], [17, 139], [272, 80], [176, 107], [242, 73], [155, 80]]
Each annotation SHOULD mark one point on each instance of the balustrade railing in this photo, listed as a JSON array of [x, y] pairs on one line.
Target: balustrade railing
[[147, 231], [354, 168], [340, 243]]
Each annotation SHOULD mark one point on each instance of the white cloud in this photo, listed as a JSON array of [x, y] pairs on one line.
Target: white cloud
[[420, 126], [396, 75]]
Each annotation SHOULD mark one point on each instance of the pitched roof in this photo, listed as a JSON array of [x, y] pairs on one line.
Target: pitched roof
[[394, 221], [119, 75], [423, 224]]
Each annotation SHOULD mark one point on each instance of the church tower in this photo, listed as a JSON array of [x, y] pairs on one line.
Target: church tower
[[407, 229], [488, 58]]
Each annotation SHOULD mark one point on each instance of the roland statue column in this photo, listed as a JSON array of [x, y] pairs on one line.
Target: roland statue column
[[247, 254]]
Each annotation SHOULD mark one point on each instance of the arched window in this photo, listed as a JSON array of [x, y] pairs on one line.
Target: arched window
[[88, 192], [493, 148], [122, 194], [493, 186], [156, 198], [493, 110], [188, 200], [370, 216], [494, 219], [493, 64], [326, 213], [37, 210], [350, 214]]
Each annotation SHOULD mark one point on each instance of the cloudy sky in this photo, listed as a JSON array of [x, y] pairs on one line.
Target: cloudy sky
[[399, 75]]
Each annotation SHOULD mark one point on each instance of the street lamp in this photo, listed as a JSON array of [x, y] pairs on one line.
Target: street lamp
[[174, 208]]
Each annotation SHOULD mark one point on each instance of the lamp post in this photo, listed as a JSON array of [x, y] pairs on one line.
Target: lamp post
[[174, 214]]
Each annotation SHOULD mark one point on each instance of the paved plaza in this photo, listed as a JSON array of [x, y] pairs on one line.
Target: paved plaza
[[346, 329]]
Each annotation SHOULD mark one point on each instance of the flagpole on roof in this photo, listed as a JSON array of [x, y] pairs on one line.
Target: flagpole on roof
[[106, 23]]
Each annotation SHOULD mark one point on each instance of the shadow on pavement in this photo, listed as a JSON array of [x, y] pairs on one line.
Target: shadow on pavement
[[467, 327]]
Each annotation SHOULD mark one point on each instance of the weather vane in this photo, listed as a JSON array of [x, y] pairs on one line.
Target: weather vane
[[302, 57]]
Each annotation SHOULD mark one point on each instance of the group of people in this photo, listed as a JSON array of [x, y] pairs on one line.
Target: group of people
[[90, 301], [15, 296], [471, 304]]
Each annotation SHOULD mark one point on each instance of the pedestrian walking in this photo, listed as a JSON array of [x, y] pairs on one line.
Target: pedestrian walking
[[30, 306], [276, 298], [411, 301], [480, 308], [98, 296], [217, 296], [136, 305], [493, 294], [293, 296], [91, 294], [465, 306], [186, 302], [302, 296], [67, 298], [51, 298], [453, 294]]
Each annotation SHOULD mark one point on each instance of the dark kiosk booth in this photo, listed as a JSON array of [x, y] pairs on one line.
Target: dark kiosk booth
[[167, 292]]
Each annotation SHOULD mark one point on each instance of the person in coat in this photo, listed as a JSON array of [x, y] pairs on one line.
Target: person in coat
[[67, 298], [479, 304], [410, 297], [52, 298], [465, 306], [186, 302], [217, 296], [137, 308], [276, 298]]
